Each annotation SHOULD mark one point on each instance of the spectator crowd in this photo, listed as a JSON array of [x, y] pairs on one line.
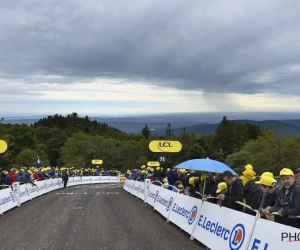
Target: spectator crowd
[[276, 200], [24, 175]]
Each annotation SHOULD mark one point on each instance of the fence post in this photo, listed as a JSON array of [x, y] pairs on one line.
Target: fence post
[[16, 192]]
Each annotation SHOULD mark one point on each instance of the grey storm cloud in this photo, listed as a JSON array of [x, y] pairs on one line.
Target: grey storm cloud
[[215, 46]]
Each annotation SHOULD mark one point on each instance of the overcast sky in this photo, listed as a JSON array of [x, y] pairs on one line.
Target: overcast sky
[[149, 56]]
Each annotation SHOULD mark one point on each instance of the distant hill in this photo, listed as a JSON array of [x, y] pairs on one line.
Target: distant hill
[[290, 127], [282, 127], [199, 129], [130, 125], [293, 122], [201, 124]]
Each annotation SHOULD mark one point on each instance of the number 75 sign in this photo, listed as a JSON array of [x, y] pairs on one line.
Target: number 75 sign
[[162, 159]]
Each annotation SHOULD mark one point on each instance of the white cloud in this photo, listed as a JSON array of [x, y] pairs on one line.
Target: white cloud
[[114, 96]]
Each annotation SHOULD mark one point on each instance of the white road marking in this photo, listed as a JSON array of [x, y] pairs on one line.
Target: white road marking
[[97, 193]]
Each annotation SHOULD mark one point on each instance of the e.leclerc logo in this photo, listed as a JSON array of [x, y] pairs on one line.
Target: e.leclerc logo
[[27, 191], [156, 195], [153, 195], [169, 204], [12, 196], [190, 215], [235, 237], [164, 202], [5, 200]]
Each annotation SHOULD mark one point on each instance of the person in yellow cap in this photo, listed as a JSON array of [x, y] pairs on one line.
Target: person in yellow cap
[[207, 184], [222, 189], [165, 183], [173, 177], [159, 175], [248, 174], [269, 188], [287, 203], [252, 195], [182, 175], [193, 186]]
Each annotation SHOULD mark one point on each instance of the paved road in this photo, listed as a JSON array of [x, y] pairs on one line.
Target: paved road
[[90, 217]]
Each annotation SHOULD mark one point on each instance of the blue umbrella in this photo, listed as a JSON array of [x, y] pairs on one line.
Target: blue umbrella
[[205, 165]]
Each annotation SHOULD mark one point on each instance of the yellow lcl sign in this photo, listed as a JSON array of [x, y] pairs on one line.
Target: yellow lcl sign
[[157, 146], [153, 163], [3, 146], [97, 162]]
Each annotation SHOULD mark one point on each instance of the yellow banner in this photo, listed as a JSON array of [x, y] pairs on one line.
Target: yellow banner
[[165, 146], [3, 146], [153, 164], [97, 162]]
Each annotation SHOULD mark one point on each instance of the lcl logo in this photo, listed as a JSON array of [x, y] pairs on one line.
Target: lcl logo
[[165, 146]]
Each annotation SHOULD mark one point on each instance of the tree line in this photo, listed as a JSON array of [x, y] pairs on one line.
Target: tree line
[[73, 141]]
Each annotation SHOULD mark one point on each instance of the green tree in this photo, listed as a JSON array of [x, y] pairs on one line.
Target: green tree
[[169, 130], [146, 132], [291, 153], [268, 152], [230, 137], [237, 161], [27, 158], [53, 146], [196, 152], [212, 152], [22, 137], [75, 150]]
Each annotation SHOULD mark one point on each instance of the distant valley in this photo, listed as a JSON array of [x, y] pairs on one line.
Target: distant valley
[[199, 123], [290, 127]]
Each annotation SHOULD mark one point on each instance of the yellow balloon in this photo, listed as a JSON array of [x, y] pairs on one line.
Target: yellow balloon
[[3, 146]]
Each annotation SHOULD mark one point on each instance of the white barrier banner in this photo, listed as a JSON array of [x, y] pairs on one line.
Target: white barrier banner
[[33, 190], [185, 211], [95, 179], [130, 186], [147, 188], [42, 186], [125, 185], [104, 179], [57, 183], [165, 202], [7, 200], [70, 182], [50, 185], [136, 187], [270, 235], [153, 194], [86, 180], [223, 228], [113, 179], [24, 193], [78, 180], [142, 193]]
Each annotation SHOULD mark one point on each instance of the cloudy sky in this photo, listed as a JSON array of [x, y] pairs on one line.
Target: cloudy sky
[[149, 56]]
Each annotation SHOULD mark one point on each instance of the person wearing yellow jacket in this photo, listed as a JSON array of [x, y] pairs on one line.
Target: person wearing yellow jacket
[[248, 174]]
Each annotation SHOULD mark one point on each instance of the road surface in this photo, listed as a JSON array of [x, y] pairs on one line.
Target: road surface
[[90, 217]]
